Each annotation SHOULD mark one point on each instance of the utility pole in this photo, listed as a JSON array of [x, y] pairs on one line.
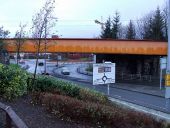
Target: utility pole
[[167, 83]]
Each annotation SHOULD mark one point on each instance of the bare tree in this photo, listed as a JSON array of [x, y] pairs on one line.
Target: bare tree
[[42, 23], [143, 26], [20, 39], [4, 56], [165, 18], [3, 34]]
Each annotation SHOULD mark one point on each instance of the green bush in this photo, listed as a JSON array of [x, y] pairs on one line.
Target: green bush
[[93, 96], [13, 81], [97, 114], [50, 84], [89, 68]]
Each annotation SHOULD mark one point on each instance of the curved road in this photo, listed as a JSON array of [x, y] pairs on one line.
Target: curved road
[[146, 100], [73, 72]]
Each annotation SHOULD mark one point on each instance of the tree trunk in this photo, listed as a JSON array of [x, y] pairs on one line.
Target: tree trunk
[[37, 57]]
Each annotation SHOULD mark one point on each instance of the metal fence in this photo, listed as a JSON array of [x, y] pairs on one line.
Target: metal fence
[[136, 77]]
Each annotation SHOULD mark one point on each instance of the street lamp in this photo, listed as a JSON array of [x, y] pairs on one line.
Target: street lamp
[[167, 91], [100, 23]]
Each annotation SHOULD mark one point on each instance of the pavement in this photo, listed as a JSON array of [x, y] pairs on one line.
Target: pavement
[[145, 89], [151, 90]]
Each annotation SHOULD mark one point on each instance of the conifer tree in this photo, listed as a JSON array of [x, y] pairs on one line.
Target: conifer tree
[[157, 26], [131, 34], [116, 26], [106, 32]]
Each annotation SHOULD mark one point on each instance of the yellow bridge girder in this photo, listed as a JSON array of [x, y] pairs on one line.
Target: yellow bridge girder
[[105, 46]]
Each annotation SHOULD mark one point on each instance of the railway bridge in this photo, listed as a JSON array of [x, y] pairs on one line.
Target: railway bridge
[[132, 57]]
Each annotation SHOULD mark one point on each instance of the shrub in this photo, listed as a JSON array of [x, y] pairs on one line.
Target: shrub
[[12, 81], [98, 114], [89, 68], [93, 96], [50, 84]]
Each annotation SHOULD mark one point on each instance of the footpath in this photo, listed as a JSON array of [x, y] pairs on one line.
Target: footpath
[[145, 89]]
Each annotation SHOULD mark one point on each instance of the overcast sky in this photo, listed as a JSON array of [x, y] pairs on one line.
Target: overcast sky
[[75, 17]]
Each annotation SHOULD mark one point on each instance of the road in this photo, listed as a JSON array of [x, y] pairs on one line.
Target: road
[[146, 100], [40, 69], [73, 72]]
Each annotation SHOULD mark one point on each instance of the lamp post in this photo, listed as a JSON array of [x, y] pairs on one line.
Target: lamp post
[[102, 27], [167, 91], [100, 23]]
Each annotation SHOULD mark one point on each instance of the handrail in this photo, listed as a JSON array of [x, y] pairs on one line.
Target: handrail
[[11, 116]]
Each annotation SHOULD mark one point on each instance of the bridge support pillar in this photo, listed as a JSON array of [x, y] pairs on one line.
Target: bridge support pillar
[[94, 58]]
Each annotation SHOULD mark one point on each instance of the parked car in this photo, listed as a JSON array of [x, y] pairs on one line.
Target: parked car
[[43, 73], [65, 71], [21, 62], [40, 64]]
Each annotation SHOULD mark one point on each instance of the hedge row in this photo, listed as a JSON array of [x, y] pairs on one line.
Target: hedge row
[[13, 81], [98, 114], [53, 85]]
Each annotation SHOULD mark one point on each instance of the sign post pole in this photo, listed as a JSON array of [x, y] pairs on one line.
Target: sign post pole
[[160, 79], [108, 89]]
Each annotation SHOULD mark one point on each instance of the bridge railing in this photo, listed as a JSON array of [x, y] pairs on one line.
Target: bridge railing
[[12, 120]]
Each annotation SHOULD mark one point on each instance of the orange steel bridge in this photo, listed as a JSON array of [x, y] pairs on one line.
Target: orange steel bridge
[[96, 46]]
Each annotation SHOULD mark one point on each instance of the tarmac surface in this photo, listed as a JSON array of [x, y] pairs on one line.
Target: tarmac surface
[[147, 96], [144, 95]]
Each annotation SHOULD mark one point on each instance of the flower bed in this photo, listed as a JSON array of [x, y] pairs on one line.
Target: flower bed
[[99, 115], [65, 99]]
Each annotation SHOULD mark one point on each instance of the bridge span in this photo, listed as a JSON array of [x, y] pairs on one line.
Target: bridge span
[[96, 46], [135, 59]]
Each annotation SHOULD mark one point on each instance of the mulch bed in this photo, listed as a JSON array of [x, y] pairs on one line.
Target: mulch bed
[[35, 116]]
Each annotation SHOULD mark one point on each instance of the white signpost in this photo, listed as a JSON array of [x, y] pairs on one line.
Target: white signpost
[[103, 73]]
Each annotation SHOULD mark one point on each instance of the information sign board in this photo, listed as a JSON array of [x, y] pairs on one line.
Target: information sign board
[[103, 73]]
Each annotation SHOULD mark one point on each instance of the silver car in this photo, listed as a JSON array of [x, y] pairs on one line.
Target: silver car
[[65, 71]]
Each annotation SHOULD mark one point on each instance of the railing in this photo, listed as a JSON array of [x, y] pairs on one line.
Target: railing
[[136, 77], [12, 120]]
